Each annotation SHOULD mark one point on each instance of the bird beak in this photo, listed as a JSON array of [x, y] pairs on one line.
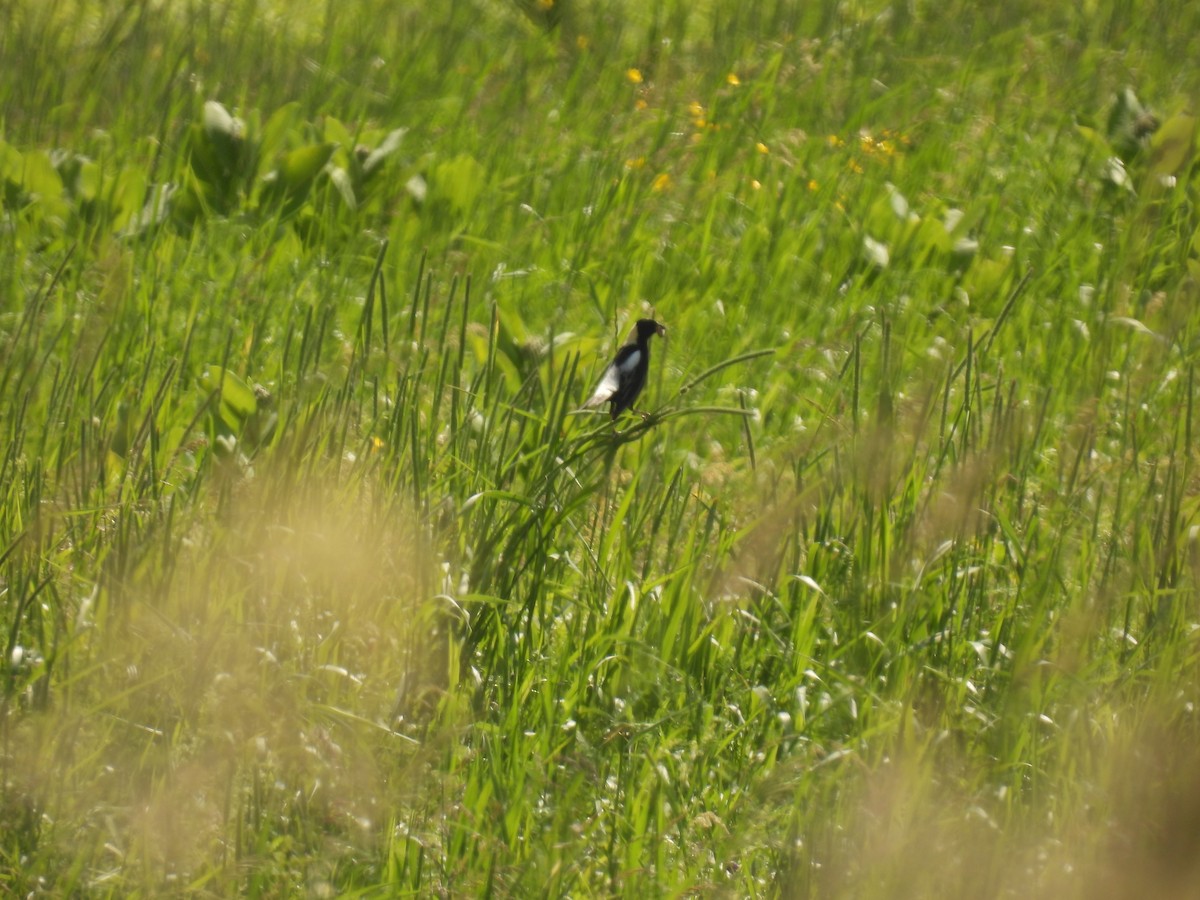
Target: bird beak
[[662, 332]]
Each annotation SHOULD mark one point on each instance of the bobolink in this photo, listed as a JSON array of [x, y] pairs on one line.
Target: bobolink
[[626, 376]]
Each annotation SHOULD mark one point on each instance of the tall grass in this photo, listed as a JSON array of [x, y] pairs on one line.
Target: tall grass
[[316, 579]]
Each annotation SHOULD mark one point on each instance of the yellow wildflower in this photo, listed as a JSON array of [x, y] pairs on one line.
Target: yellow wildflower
[[639, 104], [661, 183], [755, 184], [634, 76], [761, 148], [732, 78], [812, 184]]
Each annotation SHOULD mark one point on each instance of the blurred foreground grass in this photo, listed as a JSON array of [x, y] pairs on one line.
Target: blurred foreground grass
[[314, 581]]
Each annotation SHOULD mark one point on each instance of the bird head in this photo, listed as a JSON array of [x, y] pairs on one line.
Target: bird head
[[646, 328]]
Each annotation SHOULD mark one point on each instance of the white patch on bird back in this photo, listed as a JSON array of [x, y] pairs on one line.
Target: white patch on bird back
[[630, 362], [606, 388]]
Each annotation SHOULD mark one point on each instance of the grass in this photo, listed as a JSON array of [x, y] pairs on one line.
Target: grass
[[316, 581]]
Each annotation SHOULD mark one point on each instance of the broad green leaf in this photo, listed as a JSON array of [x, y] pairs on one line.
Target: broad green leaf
[[235, 397], [40, 177], [188, 204], [985, 277], [201, 155], [89, 180], [932, 236], [336, 133], [125, 196], [282, 124], [879, 218], [298, 168], [11, 162], [80, 176], [1172, 145], [1098, 142], [458, 182]]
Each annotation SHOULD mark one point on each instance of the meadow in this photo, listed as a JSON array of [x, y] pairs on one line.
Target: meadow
[[316, 581]]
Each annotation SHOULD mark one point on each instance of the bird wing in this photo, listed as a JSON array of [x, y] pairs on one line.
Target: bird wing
[[606, 388], [622, 367], [625, 363]]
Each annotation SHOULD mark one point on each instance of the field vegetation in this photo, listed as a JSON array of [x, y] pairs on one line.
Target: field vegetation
[[315, 580]]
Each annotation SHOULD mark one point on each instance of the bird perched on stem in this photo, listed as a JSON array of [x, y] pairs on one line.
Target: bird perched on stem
[[626, 376]]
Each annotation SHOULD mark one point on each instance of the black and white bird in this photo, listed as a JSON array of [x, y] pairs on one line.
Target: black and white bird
[[626, 375]]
